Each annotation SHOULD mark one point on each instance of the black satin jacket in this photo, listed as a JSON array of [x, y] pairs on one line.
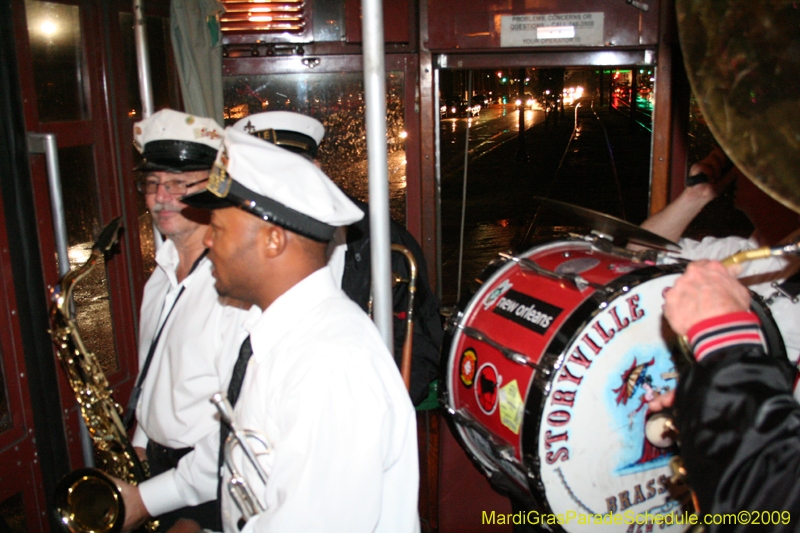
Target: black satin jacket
[[428, 333], [740, 437]]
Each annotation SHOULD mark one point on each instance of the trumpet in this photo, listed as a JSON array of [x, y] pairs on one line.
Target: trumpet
[[241, 492]]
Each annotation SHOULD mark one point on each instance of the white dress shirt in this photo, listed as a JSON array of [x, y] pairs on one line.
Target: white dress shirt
[[189, 364], [322, 387], [324, 390]]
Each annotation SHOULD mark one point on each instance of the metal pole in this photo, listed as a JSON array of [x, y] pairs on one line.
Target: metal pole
[[463, 202], [522, 155], [145, 87], [437, 142], [377, 165], [45, 143], [142, 59]]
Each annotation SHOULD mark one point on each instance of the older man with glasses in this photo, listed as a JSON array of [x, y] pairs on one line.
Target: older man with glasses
[[184, 323]]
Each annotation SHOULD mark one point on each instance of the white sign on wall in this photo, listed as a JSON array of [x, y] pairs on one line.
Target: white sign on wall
[[553, 29]]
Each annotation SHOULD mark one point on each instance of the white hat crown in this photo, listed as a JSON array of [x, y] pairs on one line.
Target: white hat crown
[[290, 130], [176, 141], [277, 185]]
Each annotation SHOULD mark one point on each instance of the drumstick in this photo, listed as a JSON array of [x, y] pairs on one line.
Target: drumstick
[[761, 253]]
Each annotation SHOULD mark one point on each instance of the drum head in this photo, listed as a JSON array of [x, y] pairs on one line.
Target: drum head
[[593, 455]]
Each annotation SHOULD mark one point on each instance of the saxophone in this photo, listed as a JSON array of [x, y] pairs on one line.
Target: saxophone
[[87, 500]]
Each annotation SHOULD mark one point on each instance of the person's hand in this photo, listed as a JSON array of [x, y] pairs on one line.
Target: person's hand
[[135, 512], [185, 525], [141, 453], [715, 166], [717, 169], [706, 290], [661, 401]]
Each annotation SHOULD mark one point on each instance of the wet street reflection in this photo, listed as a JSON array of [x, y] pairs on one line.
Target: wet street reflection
[[505, 175]]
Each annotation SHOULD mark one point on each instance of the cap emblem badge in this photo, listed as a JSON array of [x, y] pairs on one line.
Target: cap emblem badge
[[219, 182]]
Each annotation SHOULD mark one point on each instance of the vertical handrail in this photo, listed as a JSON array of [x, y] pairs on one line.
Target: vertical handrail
[[142, 58], [437, 143], [45, 143], [377, 165], [145, 85], [463, 201]]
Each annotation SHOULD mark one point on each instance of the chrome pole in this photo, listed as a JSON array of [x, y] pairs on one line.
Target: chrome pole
[[142, 59], [45, 143], [377, 165], [145, 86]]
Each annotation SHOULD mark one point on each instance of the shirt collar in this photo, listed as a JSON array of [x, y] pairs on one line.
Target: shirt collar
[[288, 310], [167, 259]]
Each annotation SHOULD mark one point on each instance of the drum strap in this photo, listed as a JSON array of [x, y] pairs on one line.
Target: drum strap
[[130, 412], [790, 288]]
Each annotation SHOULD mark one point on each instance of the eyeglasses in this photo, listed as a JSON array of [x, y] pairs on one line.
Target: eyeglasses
[[173, 187]]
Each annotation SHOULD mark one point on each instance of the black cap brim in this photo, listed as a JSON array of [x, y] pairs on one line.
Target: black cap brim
[[264, 208], [170, 166], [176, 156], [205, 199]]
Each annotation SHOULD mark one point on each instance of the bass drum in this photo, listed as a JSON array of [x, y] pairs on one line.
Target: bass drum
[[549, 370]]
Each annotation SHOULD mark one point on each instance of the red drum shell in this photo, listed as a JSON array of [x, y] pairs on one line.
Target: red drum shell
[[568, 433]]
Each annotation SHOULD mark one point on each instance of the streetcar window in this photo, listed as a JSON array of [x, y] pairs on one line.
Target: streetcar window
[[54, 31], [336, 100]]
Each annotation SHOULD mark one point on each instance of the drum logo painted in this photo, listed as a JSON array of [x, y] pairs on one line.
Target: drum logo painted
[[527, 311], [498, 291], [488, 381], [594, 455], [468, 364]]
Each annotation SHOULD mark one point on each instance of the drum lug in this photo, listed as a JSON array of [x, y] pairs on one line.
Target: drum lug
[[451, 324], [501, 451], [508, 353], [577, 280]]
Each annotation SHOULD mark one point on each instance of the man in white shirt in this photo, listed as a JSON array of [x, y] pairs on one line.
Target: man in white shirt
[[320, 386], [184, 324], [350, 259]]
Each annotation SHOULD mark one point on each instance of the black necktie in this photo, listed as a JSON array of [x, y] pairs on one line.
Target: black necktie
[[239, 369], [234, 388]]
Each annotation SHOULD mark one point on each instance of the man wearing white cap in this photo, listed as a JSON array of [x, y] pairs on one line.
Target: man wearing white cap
[[351, 258], [297, 133], [320, 385], [184, 323]]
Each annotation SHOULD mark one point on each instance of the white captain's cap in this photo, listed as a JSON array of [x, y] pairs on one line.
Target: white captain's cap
[[173, 141], [287, 129], [276, 185]]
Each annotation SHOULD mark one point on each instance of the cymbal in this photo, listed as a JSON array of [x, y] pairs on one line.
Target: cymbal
[[609, 226], [742, 62]]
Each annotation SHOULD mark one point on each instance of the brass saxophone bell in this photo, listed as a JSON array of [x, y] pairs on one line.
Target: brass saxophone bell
[[88, 500]]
